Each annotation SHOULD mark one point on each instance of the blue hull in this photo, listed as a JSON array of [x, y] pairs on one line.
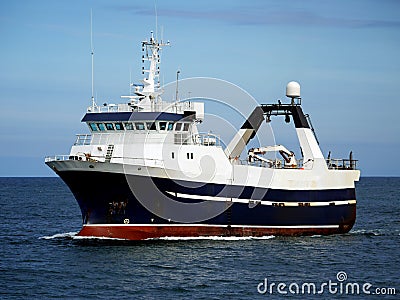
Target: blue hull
[[106, 198]]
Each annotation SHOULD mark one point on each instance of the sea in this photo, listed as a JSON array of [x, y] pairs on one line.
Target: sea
[[42, 258]]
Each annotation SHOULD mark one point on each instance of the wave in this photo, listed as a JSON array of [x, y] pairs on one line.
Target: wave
[[68, 235], [212, 238], [373, 232], [73, 236], [97, 238]]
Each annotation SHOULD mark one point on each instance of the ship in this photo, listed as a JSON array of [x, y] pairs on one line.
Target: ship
[[144, 171]]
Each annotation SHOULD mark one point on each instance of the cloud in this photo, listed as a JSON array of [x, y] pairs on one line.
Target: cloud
[[259, 16]]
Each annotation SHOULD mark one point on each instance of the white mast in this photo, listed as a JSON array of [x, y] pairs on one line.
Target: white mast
[[155, 10], [149, 93], [92, 54]]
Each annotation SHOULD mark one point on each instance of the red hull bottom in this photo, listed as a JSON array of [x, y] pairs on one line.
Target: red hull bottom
[[142, 232]]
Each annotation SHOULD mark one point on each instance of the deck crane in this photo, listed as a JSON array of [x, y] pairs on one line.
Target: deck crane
[[288, 156]]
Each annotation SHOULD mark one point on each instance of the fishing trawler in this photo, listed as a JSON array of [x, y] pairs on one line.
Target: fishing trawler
[[145, 171]]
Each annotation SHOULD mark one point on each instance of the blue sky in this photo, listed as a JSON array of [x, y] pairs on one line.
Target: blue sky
[[345, 54]]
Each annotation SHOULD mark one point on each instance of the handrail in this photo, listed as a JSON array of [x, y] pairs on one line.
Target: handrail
[[341, 164], [83, 139], [56, 158], [207, 139], [333, 164], [86, 157], [181, 138], [162, 106]]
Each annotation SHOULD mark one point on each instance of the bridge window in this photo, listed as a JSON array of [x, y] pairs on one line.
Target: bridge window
[[178, 126], [109, 126], [128, 126], [170, 126], [119, 126], [139, 126], [186, 126], [163, 125], [101, 126], [93, 126], [151, 125]]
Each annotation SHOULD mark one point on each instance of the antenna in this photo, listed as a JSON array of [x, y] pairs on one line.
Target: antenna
[[92, 54], [155, 10], [130, 81], [177, 80]]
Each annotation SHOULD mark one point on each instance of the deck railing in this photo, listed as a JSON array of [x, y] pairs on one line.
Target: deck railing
[[341, 164], [174, 107], [83, 139], [56, 158], [207, 139], [180, 138], [333, 164], [274, 164], [126, 160]]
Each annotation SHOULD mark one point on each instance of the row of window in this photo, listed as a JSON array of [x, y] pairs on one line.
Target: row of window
[[159, 125]]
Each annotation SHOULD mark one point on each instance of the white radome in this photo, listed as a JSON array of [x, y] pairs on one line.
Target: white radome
[[293, 89]]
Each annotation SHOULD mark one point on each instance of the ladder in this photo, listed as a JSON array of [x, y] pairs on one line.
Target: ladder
[[110, 150]]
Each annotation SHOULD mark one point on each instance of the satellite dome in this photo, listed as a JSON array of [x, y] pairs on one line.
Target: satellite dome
[[293, 89]]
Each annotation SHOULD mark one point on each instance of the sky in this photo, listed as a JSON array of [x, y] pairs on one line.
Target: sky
[[345, 55]]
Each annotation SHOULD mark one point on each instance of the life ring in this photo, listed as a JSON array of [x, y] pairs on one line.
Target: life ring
[[126, 221]]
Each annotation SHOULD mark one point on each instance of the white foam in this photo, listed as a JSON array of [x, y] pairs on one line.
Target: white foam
[[78, 237], [375, 232], [59, 236], [316, 236], [213, 238], [74, 236]]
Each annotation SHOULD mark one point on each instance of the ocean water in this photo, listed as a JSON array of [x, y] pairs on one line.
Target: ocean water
[[40, 257]]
